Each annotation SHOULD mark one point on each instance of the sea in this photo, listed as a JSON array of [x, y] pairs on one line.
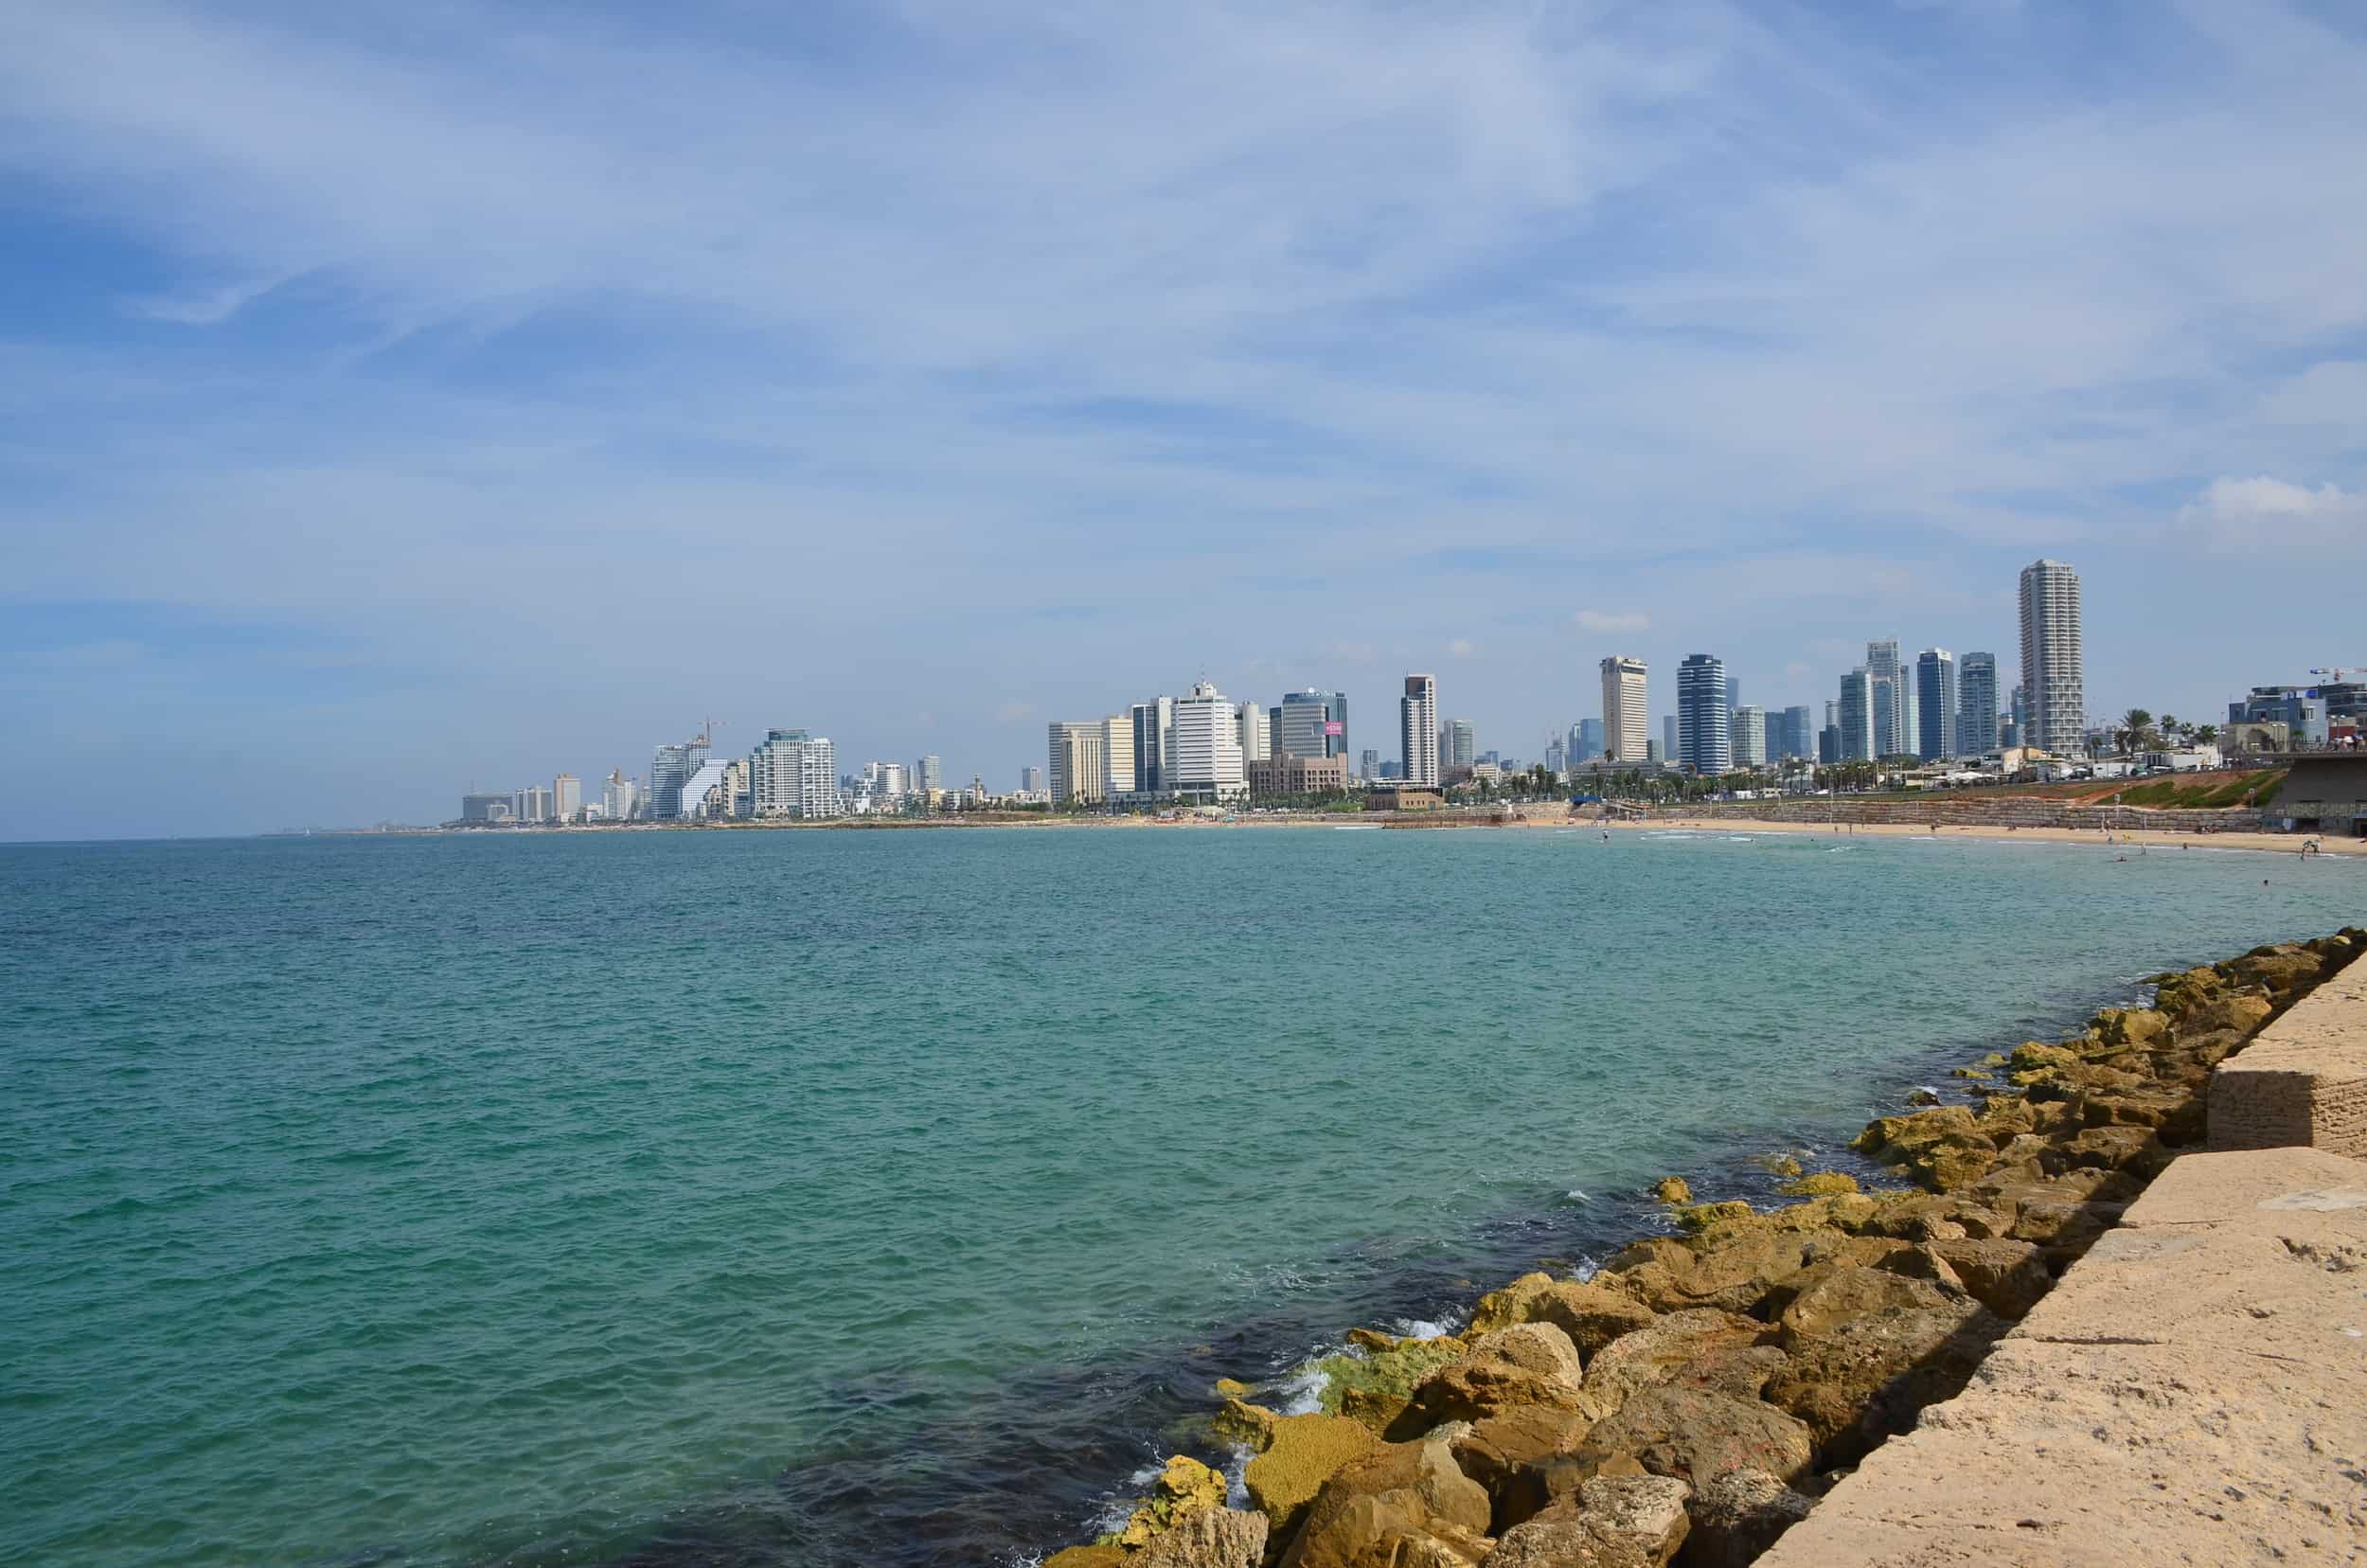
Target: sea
[[893, 1198]]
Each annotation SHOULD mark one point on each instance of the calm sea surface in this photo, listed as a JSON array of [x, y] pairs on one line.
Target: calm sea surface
[[890, 1197]]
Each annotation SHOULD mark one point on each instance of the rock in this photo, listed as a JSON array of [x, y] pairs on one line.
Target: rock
[[1089, 1556], [1211, 1538], [2284, 969], [1246, 1423], [1738, 1516], [2133, 1149], [1830, 1294], [1185, 1486], [1403, 1503], [2008, 1278], [1782, 1164], [1865, 1377], [1302, 1453], [2034, 1054], [1672, 1189], [1923, 1097], [1510, 1453], [1701, 1217], [1978, 1075], [1896, 1137], [1645, 1513], [1653, 1354], [1230, 1388], [2241, 1014], [1529, 1363], [1375, 1387], [1693, 1435], [1593, 1313], [1824, 1184], [2132, 1025]]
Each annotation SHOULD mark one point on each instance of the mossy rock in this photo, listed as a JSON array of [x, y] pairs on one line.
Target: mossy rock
[[1824, 1184], [1087, 1557], [1782, 1164], [1979, 1075], [1230, 1388], [1302, 1452], [2035, 1053], [1374, 1388], [1672, 1189], [1244, 1422], [1184, 1486], [1701, 1217]]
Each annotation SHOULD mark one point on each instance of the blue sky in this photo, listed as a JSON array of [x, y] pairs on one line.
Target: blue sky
[[397, 397]]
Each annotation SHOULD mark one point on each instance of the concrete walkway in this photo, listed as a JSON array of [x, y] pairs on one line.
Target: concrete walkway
[[2304, 1079], [2193, 1391]]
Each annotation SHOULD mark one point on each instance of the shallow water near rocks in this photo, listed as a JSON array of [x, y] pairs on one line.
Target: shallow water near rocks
[[892, 1198]]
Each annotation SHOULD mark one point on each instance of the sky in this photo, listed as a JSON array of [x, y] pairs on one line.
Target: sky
[[402, 397]]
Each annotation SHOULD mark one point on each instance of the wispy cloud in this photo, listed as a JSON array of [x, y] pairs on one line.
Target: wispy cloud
[[1612, 620]]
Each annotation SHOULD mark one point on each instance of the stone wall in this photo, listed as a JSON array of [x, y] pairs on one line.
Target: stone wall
[[2303, 1081]]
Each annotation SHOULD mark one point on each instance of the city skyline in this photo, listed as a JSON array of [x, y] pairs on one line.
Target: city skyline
[[336, 482]]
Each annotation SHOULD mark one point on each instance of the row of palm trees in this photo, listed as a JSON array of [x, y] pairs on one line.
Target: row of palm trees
[[2138, 732]]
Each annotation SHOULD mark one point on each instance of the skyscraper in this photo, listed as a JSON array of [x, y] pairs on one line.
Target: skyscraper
[[670, 768], [567, 797], [1881, 668], [1078, 769], [1590, 740], [1455, 743], [1749, 727], [1154, 727], [1935, 704], [1117, 756], [2053, 667], [1368, 766], [928, 774], [1556, 754], [1205, 756], [1976, 703], [1799, 733], [1417, 730], [793, 773], [1669, 750], [1705, 743], [1626, 709], [1256, 732], [620, 797], [1314, 724], [1030, 780], [1856, 716]]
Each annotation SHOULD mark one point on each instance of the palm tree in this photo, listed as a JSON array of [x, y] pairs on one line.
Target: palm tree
[[2136, 729]]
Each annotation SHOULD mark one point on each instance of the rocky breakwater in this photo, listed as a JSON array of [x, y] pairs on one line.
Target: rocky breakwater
[[1693, 1398]]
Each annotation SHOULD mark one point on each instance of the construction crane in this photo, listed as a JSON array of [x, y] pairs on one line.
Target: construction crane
[[2335, 672]]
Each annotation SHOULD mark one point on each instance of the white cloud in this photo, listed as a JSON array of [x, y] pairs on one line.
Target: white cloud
[[2263, 512], [1459, 648], [1607, 620]]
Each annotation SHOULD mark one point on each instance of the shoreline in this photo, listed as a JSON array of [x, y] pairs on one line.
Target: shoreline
[[1704, 1389]]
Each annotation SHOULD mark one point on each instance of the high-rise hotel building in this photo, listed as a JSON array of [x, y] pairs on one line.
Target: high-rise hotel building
[[1626, 714], [2053, 673], [1705, 738]]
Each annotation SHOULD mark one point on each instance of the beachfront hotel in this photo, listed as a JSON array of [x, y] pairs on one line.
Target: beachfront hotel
[[1705, 737], [1626, 709], [1417, 727]]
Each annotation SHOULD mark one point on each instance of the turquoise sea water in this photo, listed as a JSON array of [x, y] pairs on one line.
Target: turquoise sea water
[[881, 1198]]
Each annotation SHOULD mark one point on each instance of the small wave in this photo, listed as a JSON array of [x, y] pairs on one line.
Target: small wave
[[1586, 1269], [1437, 1327], [1236, 1457]]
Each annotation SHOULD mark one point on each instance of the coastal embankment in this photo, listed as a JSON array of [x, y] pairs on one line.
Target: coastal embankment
[[2158, 1317]]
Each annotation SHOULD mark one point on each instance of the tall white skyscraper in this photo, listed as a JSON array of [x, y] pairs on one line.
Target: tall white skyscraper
[[2053, 668], [1073, 749], [619, 798], [1256, 725], [1206, 751], [794, 775], [567, 797], [1457, 745], [1117, 756], [1706, 740], [1626, 711], [1417, 730]]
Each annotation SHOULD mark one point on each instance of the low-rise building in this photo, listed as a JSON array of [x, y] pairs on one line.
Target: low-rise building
[[1298, 775], [1409, 797]]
